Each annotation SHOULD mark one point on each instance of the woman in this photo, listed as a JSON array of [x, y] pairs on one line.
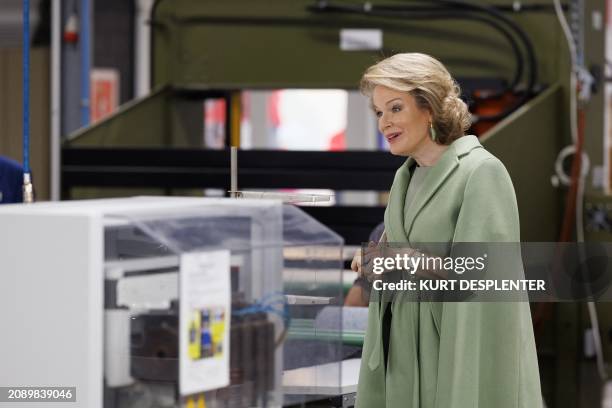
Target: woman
[[450, 189]]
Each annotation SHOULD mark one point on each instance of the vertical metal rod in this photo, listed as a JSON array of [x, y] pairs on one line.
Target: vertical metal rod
[[234, 171], [142, 47], [28, 188], [56, 24]]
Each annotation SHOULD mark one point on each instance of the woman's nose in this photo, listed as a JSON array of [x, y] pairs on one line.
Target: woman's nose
[[384, 122]]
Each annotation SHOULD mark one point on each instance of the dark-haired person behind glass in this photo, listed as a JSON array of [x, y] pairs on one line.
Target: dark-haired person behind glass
[[450, 189], [11, 181]]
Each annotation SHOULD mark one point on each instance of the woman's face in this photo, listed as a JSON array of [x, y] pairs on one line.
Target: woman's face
[[401, 121]]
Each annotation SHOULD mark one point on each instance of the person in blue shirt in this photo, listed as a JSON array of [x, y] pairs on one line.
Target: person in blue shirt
[[11, 181]]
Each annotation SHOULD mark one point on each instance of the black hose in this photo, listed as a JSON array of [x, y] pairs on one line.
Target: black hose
[[522, 8], [460, 5], [457, 6], [443, 14], [533, 72]]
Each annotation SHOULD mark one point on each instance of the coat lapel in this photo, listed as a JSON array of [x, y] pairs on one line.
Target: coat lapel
[[433, 180], [395, 209], [437, 175]]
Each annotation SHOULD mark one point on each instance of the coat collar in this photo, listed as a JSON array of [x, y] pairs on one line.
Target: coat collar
[[436, 176]]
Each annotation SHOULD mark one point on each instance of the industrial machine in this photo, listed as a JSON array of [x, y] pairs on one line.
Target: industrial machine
[[171, 302]]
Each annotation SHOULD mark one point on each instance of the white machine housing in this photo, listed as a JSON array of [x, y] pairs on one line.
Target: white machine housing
[[52, 290]]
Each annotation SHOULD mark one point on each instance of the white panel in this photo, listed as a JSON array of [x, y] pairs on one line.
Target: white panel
[[323, 379], [154, 291], [357, 39], [51, 303]]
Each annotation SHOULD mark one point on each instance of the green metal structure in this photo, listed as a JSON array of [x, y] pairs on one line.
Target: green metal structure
[[206, 46]]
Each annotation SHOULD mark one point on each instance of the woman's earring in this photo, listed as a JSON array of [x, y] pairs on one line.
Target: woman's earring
[[432, 132]]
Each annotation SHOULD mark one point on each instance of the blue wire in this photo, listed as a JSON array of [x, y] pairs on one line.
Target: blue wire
[[26, 86], [85, 62], [266, 306]]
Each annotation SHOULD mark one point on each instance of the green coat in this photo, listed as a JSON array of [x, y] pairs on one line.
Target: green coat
[[453, 355]]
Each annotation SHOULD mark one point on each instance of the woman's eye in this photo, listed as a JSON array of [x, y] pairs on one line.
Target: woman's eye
[[378, 114], [396, 108]]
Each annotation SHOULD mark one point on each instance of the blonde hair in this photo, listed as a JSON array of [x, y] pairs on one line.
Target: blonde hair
[[429, 82]]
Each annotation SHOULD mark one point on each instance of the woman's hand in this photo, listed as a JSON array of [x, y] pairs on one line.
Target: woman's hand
[[356, 263], [360, 262], [363, 257]]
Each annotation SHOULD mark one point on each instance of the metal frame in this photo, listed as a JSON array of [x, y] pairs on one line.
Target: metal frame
[[196, 168]]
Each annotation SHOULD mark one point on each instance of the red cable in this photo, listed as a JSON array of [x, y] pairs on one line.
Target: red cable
[[570, 201], [544, 310]]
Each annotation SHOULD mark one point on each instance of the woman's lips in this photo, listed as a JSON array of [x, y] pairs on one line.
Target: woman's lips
[[391, 137]]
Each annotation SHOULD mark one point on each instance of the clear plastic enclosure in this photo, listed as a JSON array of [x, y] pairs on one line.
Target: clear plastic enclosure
[[284, 275]]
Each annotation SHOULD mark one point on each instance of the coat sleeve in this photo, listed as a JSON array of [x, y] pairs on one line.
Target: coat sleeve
[[487, 350]]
